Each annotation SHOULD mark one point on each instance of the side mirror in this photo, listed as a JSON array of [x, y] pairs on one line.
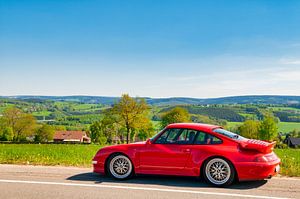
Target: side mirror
[[148, 141]]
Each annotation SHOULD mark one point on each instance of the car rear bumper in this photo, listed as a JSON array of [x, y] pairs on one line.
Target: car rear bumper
[[257, 170]]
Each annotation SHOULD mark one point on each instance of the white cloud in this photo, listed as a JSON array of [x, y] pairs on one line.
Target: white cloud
[[207, 77], [290, 61]]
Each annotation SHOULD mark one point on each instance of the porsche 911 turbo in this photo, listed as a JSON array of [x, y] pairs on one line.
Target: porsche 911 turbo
[[191, 149]]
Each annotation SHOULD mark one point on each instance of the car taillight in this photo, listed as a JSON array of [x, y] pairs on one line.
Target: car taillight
[[261, 159]]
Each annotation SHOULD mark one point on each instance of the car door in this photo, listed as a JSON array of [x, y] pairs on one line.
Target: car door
[[168, 154]]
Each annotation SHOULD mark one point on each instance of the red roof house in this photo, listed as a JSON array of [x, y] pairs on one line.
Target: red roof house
[[71, 137]]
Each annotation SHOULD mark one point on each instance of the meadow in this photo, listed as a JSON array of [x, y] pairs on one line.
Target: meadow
[[288, 126], [290, 161], [48, 154], [282, 126], [81, 156]]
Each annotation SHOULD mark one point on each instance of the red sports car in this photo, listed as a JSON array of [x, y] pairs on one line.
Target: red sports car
[[191, 149]]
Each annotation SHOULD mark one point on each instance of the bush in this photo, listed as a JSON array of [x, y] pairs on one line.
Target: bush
[[175, 115], [7, 134], [44, 133]]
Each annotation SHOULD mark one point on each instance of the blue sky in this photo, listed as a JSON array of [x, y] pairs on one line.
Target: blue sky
[[150, 48]]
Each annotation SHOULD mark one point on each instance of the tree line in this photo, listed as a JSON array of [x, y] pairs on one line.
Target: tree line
[[127, 120], [17, 126]]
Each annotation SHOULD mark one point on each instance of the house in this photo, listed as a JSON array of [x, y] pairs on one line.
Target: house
[[292, 142], [71, 137]]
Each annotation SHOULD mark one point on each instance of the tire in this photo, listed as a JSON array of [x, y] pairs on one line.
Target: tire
[[120, 167], [219, 172]]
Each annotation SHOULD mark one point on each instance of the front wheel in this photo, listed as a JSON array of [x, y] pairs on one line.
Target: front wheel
[[219, 172], [120, 167]]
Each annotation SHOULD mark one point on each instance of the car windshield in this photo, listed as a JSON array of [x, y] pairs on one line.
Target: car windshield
[[153, 138], [228, 134]]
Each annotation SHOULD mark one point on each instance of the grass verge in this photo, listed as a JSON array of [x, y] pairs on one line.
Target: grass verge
[[48, 154], [290, 161], [81, 156]]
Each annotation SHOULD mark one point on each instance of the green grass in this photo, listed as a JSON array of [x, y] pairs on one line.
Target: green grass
[[231, 125], [81, 156], [285, 109], [282, 126], [86, 107], [5, 106], [248, 115], [48, 154], [41, 113], [288, 126], [290, 161]]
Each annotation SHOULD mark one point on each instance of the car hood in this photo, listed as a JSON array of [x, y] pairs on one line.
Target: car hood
[[124, 145]]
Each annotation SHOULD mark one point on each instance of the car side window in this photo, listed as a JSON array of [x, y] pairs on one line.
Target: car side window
[[162, 137], [169, 136], [177, 136], [205, 138], [173, 135], [186, 137]]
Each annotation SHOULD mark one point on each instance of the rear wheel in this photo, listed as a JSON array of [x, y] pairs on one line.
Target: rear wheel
[[219, 172], [120, 167]]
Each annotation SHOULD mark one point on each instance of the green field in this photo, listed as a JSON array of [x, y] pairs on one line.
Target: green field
[[48, 154], [231, 125], [288, 126], [41, 113], [290, 161], [282, 126], [81, 155]]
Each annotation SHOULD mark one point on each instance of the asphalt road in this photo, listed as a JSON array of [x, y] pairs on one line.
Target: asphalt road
[[69, 182]]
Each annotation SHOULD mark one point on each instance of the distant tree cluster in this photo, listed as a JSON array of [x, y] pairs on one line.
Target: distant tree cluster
[[126, 119], [208, 120], [265, 129], [175, 115], [15, 125], [295, 133], [214, 112], [285, 116]]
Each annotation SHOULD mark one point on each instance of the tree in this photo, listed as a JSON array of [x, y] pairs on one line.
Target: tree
[[97, 135], [295, 133], [250, 129], [6, 134], [131, 114], [22, 124], [268, 128], [110, 127], [144, 129], [207, 120], [44, 133], [202, 119], [175, 115]]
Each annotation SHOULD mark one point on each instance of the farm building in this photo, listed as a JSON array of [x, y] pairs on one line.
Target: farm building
[[292, 142], [71, 137]]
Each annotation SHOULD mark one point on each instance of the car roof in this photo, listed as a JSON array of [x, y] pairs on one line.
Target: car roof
[[196, 126]]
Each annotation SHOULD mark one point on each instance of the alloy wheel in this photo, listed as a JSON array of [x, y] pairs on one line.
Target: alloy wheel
[[218, 171], [120, 167]]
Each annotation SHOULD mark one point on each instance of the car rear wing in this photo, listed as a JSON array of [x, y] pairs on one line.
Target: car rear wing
[[258, 145]]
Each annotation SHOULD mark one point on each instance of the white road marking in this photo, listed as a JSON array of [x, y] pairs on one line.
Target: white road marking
[[140, 188]]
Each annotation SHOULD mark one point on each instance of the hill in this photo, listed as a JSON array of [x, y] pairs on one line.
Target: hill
[[251, 99]]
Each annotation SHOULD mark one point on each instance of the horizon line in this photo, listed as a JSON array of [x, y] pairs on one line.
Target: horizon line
[[254, 95]]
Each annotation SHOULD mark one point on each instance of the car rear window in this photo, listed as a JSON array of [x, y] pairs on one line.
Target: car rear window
[[228, 134]]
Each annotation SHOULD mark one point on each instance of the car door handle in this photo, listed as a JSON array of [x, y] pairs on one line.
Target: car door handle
[[186, 150]]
